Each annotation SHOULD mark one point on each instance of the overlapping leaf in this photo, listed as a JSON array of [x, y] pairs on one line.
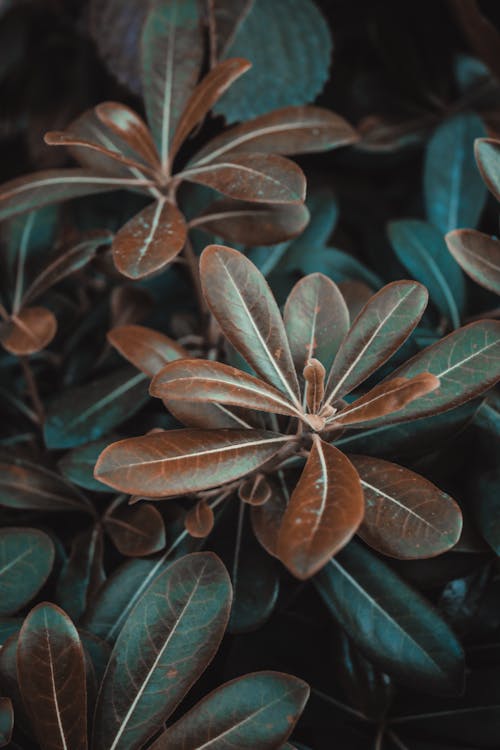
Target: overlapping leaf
[[479, 256], [26, 559], [148, 350]]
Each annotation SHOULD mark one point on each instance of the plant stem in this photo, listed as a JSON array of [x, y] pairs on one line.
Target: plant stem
[[33, 389], [380, 737]]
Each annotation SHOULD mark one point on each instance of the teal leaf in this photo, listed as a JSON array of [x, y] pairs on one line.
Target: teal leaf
[[6, 721], [26, 559], [78, 465]]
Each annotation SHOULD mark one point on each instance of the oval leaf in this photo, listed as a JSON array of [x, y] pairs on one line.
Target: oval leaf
[[487, 152], [136, 531], [148, 350], [26, 559], [127, 125], [31, 330], [478, 255]]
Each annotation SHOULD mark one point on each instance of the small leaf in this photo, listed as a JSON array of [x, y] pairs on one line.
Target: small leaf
[[182, 461], [422, 250], [255, 490], [487, 151], [240, 298], [406, 516], [393, 626], [50, 663], [167, 642], [136, 531], [6, 721], [259, 178], [257, 711], [324, 512], [26, 559], [150, 240], [148, 350], [26, 485], [199, 520], [31, 330], [316, 320], [74, 141], [314, 375], [478, 255]]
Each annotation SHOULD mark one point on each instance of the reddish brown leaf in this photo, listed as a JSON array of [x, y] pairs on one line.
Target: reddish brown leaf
[[324, 512], [127, 125], [209, 416], [255, 490], [478, 254], [148, 350], [182, 461], [199, 521], [314, 375], [267, 518], [150, 240], [487, 152], [136, 531], [31, 330], [406, 516]]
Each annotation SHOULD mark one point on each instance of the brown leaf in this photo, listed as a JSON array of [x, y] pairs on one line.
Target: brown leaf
[[267, 518], [148, 350], [127, 125], [182, 461], [314, 375], [199, 520], [31, 330], [255, 490], [150, 240], [478, 254], [136, 531], [324, 512]]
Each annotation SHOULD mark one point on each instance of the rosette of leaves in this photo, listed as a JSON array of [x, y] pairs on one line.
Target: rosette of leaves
[[264, 191], [245, 432]]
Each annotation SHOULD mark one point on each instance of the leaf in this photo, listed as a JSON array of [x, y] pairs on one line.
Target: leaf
[[467, 364], [128, 126], [201, 101], [136, 531], [406, 516], [148, 350], [299, 31], [24, 485], [227, 17], [31, 330], [50, 663], [199, 520], [252, 223], [242, 302], [386, 398], [380, 329], [393, 626], [487, 152], [150, 240], [167, 642], [478, 255], [453, 189], [82, 573], [292, 130], [316, 321], [78, 465], [26, 559], [182, 461], [172, 55], [199, 380], [325, 509], [339, 266], [88, 412], [422, 250], [267, 518], [6, 721], [259, 178], [255, 711]]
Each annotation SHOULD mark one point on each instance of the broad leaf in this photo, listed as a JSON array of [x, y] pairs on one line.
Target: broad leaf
[[167, 642], [6, 721], [479, 256], [406, 516], [487, 151], [324, 511], [150, 240], [391, 624], [172, 55], [26, 485], [50, 663], [256, 711], [316, 321], [26, 559], [148, 350], [181, 461], [380, 329], [422, 250], [136, 531], [31, 330], [242, 302], [453, 189]]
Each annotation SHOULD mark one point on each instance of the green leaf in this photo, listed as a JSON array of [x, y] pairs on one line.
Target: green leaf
[[298, 30], [422, 251], [87, 412], [26, 559], [166, 644], [391, 624], [6, 721], [254, 712], [339, 266], [454, 191], [78, 465], [82, 573]]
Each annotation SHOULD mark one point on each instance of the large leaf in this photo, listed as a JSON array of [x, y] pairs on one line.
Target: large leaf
[[172, 54], [381, 327], [87, 412], [292, 130], [200, 380], [26, 485], [324, 511], [295, 27], [166, 643], [26, 559], [31, 330], [316, 321], [148, 350], [406, 516], [50, 664], [422, 250], [244, 306], [181, 461], [487, 151], [391, 623], [259, 178], [479, 256], [453, 189], [254, 712]]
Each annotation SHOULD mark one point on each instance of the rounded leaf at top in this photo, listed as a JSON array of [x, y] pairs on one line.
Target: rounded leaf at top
[[26, 559], [145, 348], [31, 330]]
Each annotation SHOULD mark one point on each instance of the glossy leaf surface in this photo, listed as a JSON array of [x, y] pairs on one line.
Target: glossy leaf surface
[[26, 559], [479, 256]]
